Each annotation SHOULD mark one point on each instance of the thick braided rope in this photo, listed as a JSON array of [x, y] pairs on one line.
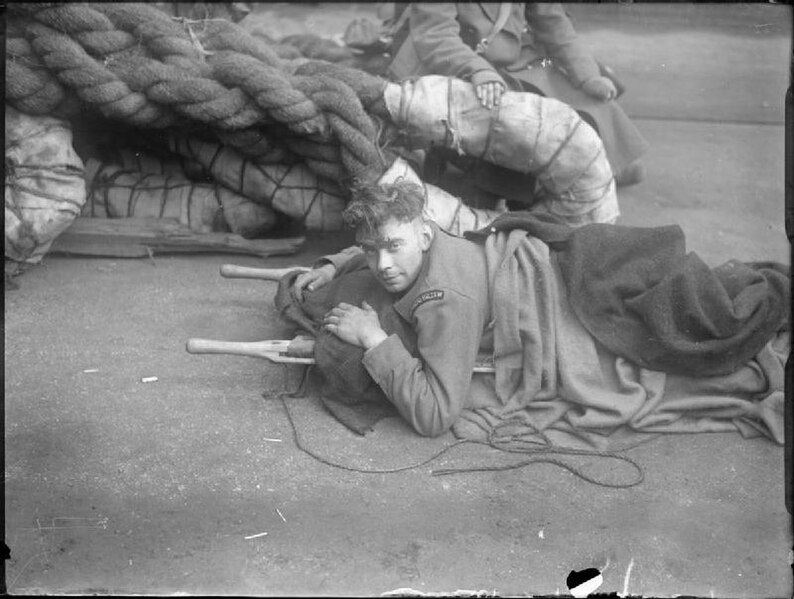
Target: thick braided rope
[[137, 65], [58, 33], [351, 127], [218, 35], [369, 88], [272, 91], [28, 80], [94, 28]]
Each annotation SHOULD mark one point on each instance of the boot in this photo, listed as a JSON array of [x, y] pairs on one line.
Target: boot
[[631, 175]]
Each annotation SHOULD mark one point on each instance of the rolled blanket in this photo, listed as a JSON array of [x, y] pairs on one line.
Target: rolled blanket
[[644, 297]]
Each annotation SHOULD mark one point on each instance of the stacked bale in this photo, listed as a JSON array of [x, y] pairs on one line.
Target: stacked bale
[[45, 184]]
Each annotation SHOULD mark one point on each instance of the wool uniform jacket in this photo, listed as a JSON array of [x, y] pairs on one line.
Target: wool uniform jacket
[[448, 307], [442, 38]]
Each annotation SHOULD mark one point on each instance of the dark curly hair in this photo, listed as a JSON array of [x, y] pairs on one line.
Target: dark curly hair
[[373, 205]]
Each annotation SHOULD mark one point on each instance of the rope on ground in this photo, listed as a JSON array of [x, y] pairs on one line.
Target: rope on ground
[[512, 443], [557, 462], [492, 442], [134, 63], [328, 462]]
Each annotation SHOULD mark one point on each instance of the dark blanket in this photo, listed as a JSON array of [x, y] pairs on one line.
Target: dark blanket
[[639, 293]]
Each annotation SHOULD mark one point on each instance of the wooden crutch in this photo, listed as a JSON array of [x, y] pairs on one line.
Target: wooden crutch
[[281, 351], [232, 271], [298, 351]]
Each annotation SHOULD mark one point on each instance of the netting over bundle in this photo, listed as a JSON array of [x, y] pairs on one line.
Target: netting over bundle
[[248, 133], [136, 65]]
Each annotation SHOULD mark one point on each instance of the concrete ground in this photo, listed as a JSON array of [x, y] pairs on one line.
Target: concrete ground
[[117, 486]]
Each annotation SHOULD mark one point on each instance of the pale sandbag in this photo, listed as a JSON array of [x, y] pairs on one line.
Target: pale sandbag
[[292, 189], [527, 133], [446, 210], [115, 192], [45, 184]]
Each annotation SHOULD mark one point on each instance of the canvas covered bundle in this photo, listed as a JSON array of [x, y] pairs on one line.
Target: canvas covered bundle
[[289, 188], [151, 163], [116, 192], [444, 209], [45, 185], [527, 133]]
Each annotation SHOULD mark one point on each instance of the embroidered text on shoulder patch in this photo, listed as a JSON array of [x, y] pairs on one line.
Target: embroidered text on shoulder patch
[[427, 296]]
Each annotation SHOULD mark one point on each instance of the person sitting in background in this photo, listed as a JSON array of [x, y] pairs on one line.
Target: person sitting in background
[[529, 47]]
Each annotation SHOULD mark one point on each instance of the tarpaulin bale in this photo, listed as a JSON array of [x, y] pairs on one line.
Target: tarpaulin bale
[[45, 184], [527, 133], [444, 209], [115, 192], [292, 189], [173, 165]]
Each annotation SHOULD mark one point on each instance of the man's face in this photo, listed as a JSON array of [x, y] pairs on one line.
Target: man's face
[[395, 252]]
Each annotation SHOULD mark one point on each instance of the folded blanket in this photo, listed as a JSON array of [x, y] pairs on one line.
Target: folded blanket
[[639, 293], [610, 404], [557, 385]]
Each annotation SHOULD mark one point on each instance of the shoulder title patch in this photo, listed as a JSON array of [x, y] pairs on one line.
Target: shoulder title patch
[[427, 296]]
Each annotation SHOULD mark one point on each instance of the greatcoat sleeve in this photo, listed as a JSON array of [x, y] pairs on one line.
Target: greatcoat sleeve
[[436, 35], [552, 28], [430, 391]]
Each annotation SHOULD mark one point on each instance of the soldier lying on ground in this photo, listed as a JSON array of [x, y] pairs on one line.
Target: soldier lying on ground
[[510, 292]]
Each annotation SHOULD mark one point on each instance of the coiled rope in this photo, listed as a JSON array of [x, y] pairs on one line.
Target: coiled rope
[[496, 440], [134, 63]]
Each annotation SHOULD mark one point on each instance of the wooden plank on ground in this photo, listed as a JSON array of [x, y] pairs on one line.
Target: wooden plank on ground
[[140, 237]]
